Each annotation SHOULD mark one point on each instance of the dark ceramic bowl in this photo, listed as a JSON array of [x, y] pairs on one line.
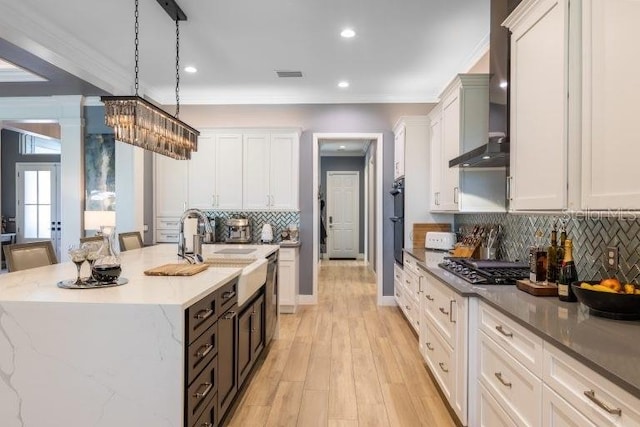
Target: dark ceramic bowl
[[606, 304]]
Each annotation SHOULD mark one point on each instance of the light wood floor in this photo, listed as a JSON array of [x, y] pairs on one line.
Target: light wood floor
[[343, 362]]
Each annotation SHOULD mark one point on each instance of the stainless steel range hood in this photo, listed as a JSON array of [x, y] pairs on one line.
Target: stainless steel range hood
[[493, 154]]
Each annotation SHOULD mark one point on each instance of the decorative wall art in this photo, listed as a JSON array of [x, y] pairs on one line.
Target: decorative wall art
[[100, 172]]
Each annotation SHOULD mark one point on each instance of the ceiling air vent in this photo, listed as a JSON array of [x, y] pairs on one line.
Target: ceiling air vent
[[283, 74]]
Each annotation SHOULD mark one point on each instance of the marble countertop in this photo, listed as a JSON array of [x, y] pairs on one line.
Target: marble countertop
[[290, 244], [607, 346], [39, 284]]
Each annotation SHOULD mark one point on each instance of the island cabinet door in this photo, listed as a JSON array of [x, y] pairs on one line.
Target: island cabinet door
[[257, 327], [244, 344], [227, 359]]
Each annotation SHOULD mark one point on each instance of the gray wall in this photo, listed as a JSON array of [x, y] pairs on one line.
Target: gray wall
[[342, 164], [10, 154]]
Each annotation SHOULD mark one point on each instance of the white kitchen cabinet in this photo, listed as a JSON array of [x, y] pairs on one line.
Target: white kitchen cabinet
[[270, 171], [215, 172], [557, 412], [170, 181], [490, 412], [437, 160], [610, 149], [288, 268], [398, 152], [539, 105], [412, 280], [446, 315], [588, 393], [463, 115]]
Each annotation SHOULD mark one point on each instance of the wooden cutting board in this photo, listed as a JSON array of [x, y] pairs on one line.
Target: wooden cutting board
[[537, 289], [177, 270], [420, 229]]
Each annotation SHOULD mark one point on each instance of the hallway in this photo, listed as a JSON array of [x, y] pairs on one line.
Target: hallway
[[343, 362]]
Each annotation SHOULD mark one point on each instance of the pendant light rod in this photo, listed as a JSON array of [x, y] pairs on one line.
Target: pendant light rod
[[173, 10]]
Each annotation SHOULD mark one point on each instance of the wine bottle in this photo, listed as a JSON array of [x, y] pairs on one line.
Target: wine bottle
[[552, 257], [560, 250], [568, 274]]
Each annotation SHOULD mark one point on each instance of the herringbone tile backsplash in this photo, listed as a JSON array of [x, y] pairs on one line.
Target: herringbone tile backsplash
[[591, 237], [279, 220]]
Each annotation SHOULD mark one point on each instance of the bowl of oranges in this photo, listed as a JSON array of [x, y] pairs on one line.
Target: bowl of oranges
[[609, 298]]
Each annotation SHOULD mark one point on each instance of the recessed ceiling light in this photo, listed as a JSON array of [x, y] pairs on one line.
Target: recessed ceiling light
[[190, 69], [343, 84], [348, 33], [486, 157], [465, 164], [342, 147], [503, 85]]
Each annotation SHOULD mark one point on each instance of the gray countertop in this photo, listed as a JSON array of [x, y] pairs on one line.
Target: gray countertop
[[609, 347]]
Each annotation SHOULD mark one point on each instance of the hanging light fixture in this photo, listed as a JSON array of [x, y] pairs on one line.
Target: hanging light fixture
[[139, 122]]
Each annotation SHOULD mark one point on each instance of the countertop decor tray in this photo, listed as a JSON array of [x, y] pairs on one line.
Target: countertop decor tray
[[537, 289], [91, 284], [176, 270]]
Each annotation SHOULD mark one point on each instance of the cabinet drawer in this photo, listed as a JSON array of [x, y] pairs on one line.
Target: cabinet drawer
[[441, 309], [439, 356], [601, 401], [201, 352], [411, 285], [516, 389], [168, 223], [398, 273], [411, 264], [227, 296], [520, 343], [201, 316], [201, 391], [287, 254], [209, 416], [557, 412], [410, 310], [167, 236], [491, 413]]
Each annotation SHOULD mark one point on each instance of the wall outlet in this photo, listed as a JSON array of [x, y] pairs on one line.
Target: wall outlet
[[145, 228], [611, 258]]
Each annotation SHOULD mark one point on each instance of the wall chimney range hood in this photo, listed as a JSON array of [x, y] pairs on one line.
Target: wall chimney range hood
[[495, 153]]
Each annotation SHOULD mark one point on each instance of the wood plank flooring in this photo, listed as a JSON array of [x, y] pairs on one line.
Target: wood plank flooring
[[343, 362]]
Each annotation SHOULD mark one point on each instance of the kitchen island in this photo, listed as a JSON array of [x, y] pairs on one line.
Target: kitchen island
[[101, 357]]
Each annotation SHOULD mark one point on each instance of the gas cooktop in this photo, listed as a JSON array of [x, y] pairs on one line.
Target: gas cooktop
[[486, 271]]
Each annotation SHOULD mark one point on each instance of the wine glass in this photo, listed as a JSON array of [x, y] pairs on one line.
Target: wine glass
[[78, 256], [91, 249]]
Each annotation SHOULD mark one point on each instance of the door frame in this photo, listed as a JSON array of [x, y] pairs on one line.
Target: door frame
[[377, 138], [357, 209]]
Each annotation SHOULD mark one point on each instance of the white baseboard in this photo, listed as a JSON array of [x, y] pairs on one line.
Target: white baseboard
[[360, 256], [307, 300], [389, 300]]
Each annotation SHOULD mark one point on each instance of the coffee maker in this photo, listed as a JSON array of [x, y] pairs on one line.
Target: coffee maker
[[238, 230]]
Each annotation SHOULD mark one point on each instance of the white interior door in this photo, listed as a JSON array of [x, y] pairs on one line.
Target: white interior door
[[342, 214], [38, 203]]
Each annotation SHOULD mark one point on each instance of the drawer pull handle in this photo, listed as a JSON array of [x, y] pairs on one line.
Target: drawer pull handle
[[398, 295], [229, 315], [503, 332], [228, 294], [592, 397], [442, 367], [499, 377], [408, 282], [443, 311], [429, 297], [451, 319], [206, 424], [204, 350], [397, 277], [419, 284], [203, 314], [200, 394], [428, 344]]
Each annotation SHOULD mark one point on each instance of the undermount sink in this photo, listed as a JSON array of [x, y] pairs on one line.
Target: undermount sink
[[235, 251], [254, 273]]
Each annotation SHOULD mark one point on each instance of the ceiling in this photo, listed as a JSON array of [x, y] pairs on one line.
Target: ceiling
[[346, 147], [403, 51]]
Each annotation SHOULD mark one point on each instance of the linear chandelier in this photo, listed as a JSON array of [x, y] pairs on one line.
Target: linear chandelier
[[138, 122]]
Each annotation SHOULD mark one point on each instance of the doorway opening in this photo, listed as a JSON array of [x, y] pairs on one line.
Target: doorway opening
[[367, 150]]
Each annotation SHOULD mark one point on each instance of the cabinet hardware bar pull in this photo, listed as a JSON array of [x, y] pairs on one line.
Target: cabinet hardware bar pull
[[407, 281], [499, 377], [229, 315], [204, 350], [429, 297], [203, 314], [200, 394], [455, 194], [443, 311], [228, 294], [428, 344], [419, 284], [408, 308], [451, 319], [442, 367], [253, 329], [206, 424], [502, 331], [397, 294], [592, 397]]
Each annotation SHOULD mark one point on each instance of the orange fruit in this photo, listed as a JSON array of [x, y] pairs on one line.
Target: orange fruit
[[611, 283]]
